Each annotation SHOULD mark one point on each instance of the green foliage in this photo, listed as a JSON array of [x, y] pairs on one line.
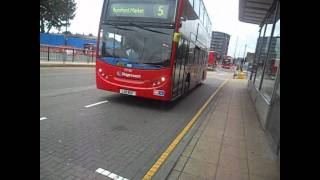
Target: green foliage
[[56, 13]]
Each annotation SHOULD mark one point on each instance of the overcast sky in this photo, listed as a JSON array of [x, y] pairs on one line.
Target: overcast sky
[[223, 14]]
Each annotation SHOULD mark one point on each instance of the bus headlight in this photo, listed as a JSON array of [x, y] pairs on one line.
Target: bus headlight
[[100, 70], [163, 79]]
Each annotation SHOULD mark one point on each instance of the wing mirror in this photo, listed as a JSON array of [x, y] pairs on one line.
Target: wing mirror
[[182, 19]]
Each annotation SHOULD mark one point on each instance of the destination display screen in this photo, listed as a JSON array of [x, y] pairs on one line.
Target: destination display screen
[[146, 10]]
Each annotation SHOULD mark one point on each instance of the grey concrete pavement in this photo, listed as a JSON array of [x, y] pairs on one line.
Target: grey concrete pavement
[[230, 144], [125, 135]]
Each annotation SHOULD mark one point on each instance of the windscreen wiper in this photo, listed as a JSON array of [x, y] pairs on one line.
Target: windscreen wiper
[[141, 27], [154, 63]]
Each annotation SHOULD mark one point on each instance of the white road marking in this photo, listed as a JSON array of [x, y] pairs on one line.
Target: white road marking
[[110, 174], [43, 118], [100, 170], [90, 105], [106, 173]]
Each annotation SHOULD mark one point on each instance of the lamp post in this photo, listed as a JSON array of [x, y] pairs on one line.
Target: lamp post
[[65, 43], [245, 48], [235, 50], [65, 34], [242, 61]]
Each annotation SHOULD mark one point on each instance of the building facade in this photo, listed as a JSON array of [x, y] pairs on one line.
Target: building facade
[[264, 81], [220, 43]]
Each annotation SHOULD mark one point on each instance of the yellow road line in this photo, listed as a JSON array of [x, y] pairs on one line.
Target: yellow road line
[[176, 141]]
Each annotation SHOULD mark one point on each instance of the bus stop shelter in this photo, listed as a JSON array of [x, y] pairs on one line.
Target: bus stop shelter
[[264, 81]]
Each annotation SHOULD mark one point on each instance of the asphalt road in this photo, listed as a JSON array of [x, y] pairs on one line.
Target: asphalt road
[[124, 135]]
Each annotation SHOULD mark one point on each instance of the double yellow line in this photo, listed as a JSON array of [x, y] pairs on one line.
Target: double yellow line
[[176, 141]]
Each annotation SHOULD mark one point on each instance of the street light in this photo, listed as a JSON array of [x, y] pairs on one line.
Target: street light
[[65, 34], [235, 50]]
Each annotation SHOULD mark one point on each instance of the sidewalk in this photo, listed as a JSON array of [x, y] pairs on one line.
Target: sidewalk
[[230, 144], [66, 64]]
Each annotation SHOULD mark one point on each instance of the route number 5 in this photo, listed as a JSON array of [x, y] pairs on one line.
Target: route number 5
[[160, 11]]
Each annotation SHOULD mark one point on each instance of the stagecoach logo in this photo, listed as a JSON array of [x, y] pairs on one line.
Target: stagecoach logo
[[127, 75]]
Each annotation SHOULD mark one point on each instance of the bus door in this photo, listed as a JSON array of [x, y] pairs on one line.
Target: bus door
[[200, 67], [179, 67], [189, 66], [184, 82], [204, 65], [197, 58]]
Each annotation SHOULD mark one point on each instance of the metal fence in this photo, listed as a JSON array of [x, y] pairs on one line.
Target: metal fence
[[66, 54]]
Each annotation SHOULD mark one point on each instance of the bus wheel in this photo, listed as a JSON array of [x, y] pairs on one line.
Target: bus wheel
[[188, 80]]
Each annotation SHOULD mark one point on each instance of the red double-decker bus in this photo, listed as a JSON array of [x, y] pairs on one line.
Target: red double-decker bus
[[226, 63], [211, 59], [155, 49]]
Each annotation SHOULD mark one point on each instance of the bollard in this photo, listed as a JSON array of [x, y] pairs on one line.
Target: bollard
[[241, 75]]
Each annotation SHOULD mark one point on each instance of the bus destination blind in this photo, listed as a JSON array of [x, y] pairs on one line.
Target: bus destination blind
[[146, 10]]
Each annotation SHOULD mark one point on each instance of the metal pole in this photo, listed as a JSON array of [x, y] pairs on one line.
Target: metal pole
[[48, 53], [63, 56], [92, 56], [65, 35], [242, 61], [255, 53], [87, 56], [72, 55], [258, 60], [245, 48], [235, 50]]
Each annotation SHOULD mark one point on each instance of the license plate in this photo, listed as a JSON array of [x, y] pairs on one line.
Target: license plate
[[128, 92]]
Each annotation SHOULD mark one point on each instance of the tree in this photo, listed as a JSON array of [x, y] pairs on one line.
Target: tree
[[56, 13]]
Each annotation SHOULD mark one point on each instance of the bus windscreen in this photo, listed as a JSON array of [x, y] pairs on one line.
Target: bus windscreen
[[139, 47]]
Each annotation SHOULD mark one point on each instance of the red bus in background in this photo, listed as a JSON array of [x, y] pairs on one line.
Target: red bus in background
[[211, 62], [226, 63], [145, 48]]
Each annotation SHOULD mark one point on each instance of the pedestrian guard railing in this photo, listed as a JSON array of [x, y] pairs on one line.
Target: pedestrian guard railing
[[66, 54]]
